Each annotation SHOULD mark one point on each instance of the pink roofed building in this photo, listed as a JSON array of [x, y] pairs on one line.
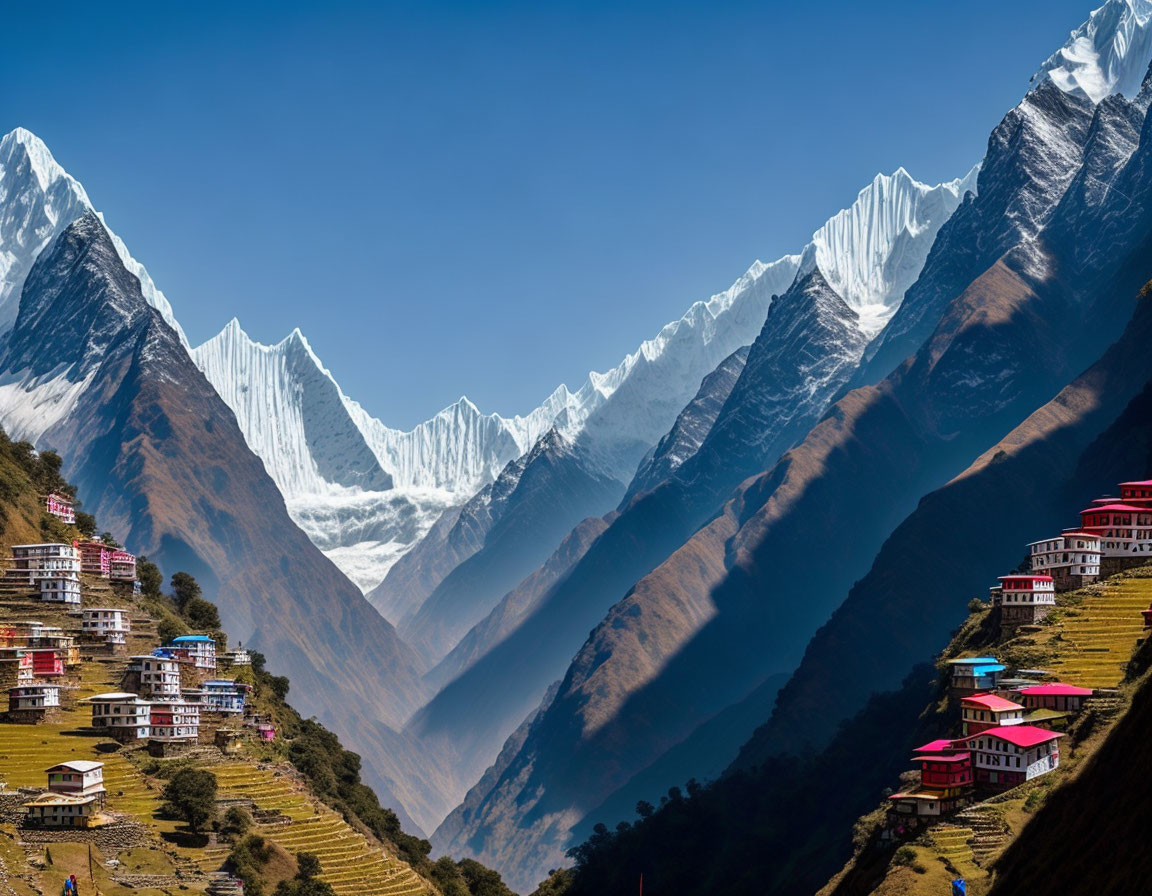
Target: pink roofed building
[[1055, 696], [1009, 755], [1125, 530], [982, 711]]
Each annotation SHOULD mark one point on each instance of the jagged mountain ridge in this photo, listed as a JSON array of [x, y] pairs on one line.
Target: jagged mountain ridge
[[972, 382], [159, 457], [39, 199]]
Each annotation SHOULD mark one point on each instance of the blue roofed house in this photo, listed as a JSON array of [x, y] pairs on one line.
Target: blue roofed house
[[199, 650], [972, 675]]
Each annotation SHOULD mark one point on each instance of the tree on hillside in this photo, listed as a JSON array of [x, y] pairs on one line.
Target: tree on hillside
[[482, 881], [110, 540], [151, 579], [201, 614], [86, 523], [306, 882], [184, 589], [191, 797]]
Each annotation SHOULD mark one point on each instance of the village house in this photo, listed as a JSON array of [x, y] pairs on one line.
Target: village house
[[57, 810], [110, 623], [53, 637], [1071, 559], [122, 567], [945, 785], [122, 716], [157, 676], [174, 721], [64, 589], [199, 650], [982, 711], [1138, 494], [95, 558], [266, 732], [46, 662], [32, 562], [62, 507], [1125, 532], [239, 656], [1065, 698], [1024, 599], [32, 703], [1012, 754], [973, 675], [224, 696], [81, 777], [15, 667]]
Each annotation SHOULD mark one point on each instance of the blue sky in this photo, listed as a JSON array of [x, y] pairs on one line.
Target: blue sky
[[490, 199]]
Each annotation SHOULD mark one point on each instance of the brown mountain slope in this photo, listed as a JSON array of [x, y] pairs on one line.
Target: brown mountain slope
[[161, 458]]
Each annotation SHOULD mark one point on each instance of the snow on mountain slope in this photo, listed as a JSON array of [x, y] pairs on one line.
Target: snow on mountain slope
[[872, 251], [38, 199], [1108, 54], [291, 412]]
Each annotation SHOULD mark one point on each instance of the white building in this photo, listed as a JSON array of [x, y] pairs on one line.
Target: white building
[[1005, 756], [32, 562], [33, 697], [58, 810], [1024, 599], [64, 589], [174, 721], [78, 778], [110, 623], [224, 696], [122, 716], [159, 676], [199, 650], [1071, 559]]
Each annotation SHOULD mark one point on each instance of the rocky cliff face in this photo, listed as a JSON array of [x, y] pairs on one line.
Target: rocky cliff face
[[160, 458]]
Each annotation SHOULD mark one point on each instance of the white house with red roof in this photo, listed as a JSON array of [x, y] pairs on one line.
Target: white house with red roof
[[982, 711], [1009, 755], [1125, 530], [1024, 599]]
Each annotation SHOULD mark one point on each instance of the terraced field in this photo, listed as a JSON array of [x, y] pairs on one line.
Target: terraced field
[[352, 865], [1094, 641]]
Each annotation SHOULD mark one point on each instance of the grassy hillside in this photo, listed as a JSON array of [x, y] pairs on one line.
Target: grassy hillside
[[303, 791], [1090, 641]]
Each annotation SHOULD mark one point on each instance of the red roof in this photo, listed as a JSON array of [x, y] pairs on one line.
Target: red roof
[[1116, 507], [1019, 735], [934, 746], [1026, 575], [1147, 483], [1056, 689], [990, 701], [942, 757]]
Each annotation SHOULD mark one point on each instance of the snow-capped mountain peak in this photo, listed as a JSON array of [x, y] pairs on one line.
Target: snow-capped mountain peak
[[40, 200], [1108, 54], [872, 251]]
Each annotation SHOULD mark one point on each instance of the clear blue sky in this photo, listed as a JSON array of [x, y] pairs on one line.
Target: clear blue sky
[[490, 199]]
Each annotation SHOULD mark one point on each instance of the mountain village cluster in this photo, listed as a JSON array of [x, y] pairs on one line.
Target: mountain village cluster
[[1011, 726], [171, 699]]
